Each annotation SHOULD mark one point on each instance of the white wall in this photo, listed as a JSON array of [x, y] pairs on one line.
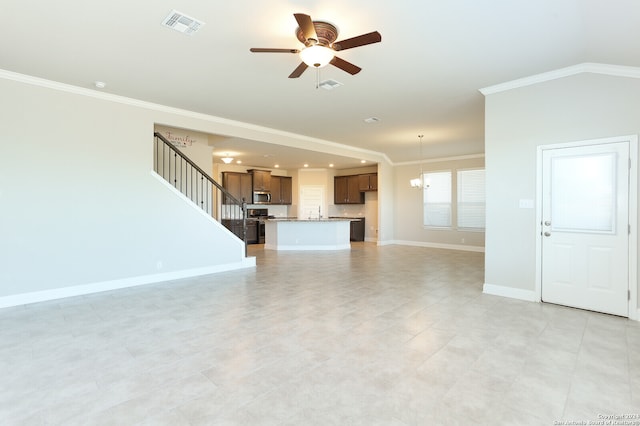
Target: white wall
[[80, 206], [580, 107], [409, 228]]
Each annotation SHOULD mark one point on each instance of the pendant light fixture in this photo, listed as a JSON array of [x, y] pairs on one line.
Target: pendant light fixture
[[418, 182], [226, 159]]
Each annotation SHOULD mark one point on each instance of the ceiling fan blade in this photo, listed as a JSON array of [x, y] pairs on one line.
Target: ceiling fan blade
[[345, 66], [299, 70], [360, 40], [269, 50], [308, 29]]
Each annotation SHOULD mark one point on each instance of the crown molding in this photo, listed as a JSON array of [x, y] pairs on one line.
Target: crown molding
[[63, 87], [439, 160], [587, 67]]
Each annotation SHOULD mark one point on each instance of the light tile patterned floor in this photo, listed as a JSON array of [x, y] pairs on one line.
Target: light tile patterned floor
[[387, 335]]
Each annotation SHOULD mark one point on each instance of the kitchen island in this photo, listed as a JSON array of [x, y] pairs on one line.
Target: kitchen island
[[307, 234]]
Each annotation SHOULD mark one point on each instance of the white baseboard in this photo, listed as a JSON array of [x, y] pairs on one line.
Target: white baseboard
[[79, 290], [513, 293], [462, 247]]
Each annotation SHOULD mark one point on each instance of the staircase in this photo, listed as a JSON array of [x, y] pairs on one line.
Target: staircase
[[193, 182]]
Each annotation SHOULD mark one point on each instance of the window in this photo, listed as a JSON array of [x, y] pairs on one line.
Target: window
[[471, 200], [437, 199], [465, 207]]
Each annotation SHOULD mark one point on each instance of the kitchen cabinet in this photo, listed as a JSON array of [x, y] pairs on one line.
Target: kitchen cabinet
[[235, 226], [238, 185], [261, 180], [346, 190], [357, 230], [281, 190], [368, 182], [252, 231]]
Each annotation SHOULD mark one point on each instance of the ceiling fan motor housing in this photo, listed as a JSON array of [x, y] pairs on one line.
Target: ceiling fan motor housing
[[327, 33]]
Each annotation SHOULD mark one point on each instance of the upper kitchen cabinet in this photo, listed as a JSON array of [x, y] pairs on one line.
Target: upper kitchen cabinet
[[346, 190], [368, 182], [238, 184], [261, 180], [281, 190]]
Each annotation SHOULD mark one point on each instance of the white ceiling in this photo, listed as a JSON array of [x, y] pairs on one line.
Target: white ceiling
[[423, 78]]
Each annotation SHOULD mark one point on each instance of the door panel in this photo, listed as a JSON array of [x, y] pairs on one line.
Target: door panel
[[585, 218]]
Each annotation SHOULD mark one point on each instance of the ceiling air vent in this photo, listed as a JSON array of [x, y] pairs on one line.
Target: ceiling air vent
[[181, 22], [330, 84]]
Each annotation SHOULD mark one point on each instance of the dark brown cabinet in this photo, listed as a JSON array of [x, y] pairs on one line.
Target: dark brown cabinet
[[261, 180], [346, 190], [368, 182], [238, 185], [281, 190], [252, 231], [235, 226]]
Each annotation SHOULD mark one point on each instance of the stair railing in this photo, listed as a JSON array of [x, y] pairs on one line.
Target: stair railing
[[194, 183]]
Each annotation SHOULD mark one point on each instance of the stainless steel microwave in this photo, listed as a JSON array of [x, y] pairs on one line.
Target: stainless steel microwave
[[261, 197]]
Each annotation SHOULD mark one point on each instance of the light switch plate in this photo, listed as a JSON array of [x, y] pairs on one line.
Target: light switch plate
[[526, 204]]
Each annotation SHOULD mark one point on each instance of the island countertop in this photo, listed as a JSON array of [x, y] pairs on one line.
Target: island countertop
[[307, 234], [324, 219]]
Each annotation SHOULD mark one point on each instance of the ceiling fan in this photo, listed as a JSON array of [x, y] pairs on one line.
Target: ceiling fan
[[319, 39]]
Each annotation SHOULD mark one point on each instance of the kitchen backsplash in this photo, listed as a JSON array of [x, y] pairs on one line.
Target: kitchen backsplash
[[353, 210]]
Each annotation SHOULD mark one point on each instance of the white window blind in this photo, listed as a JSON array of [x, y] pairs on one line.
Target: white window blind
[[437, 199], [471, 199]]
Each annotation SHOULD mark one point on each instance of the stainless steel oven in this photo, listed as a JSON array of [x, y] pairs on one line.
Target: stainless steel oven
[[259, 215]]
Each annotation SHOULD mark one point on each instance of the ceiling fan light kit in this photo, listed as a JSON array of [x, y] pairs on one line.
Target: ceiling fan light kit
[[319, 39], [316, 56]]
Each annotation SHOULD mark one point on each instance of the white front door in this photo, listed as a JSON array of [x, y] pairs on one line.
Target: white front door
[[585, 227]]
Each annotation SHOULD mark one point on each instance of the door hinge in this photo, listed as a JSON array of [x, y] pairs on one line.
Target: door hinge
[[629, 229]]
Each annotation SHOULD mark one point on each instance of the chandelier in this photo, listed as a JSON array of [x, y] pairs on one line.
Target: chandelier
[[418, 182]]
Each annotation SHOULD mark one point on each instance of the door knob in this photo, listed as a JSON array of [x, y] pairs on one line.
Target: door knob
[[547, 234], [547, 223]]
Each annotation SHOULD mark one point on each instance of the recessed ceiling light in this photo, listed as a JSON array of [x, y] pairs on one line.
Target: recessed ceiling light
[[100, 84], [239, 162], [363, 161], [276, 166], [372, 120], [306, 165], [331, 165]]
